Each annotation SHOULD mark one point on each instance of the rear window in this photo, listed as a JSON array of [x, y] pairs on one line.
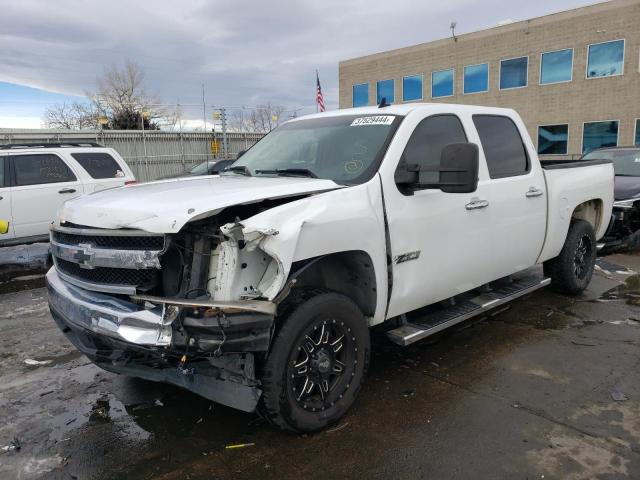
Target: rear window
[[502, 145], [41, 169], [99, 165]]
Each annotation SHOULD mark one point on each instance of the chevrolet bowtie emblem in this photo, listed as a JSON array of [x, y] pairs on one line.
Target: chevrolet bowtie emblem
[[83, 257]]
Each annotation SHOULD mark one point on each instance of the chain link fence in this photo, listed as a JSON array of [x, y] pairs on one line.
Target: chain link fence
[[150, 154]]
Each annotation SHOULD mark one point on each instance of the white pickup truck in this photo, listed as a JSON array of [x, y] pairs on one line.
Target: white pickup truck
[[36, 179], [257, 288]]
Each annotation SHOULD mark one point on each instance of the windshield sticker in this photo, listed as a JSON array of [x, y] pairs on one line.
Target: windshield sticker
[[377, 120]]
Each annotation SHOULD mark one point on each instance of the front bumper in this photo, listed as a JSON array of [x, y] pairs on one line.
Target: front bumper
[[124, 338], [106, 315]]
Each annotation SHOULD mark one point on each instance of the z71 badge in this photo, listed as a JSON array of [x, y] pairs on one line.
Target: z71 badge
[[405, 257]]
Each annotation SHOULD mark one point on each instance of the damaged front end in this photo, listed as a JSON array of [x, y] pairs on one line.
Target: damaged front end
[[195, 309]]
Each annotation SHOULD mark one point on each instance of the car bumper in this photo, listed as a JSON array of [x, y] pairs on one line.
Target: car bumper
[[124, 338]]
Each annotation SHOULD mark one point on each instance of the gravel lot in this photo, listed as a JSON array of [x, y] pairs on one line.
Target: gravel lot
[[549, 388]]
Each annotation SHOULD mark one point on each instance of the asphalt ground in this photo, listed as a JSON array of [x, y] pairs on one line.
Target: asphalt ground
[[548, 388]]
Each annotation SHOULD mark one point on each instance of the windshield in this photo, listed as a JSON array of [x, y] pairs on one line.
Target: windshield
[[626, 162], [346, 149]]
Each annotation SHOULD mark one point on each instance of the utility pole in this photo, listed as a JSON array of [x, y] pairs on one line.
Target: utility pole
[[204, 110], [223, 119]]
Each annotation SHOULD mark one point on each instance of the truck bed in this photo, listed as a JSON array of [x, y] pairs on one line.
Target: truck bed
[[558, 164]]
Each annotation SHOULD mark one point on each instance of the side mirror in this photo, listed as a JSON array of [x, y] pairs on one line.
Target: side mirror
[[459, 168], [240, 153], [4, 227], [407, 174]]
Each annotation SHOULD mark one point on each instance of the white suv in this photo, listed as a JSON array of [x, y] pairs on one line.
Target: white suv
[[35, 180]]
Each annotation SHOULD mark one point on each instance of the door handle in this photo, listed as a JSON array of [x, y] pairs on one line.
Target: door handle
[[0, 198], [534, 192], [476, 203], [67, 190]]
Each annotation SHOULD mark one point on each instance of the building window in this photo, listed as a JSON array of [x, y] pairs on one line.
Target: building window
[[411, 88], [556, 67], [605, 59], [637, 141], [442, 83], [360, 95], [513, 73], [553, 139], [476, 78], [385, 89], [599, 134]]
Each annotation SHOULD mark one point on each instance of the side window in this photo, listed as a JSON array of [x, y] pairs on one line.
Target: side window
[[427, 141], [41, 169], [2, 176], [502, 144], [99, 165]]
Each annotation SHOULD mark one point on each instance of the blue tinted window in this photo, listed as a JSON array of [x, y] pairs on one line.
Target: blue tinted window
[[360, 95], [513, 73], [599, 134], [442, 83], [553, 139], [476, 78], [637, 142], [556, 66], [385, 90], [412, 88], [605, 59]]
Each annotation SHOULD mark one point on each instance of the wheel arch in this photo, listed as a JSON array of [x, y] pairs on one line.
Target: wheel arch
[[590, 211], [350, 272]]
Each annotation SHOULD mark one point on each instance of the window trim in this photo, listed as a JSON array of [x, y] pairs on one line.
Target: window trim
[[552, 125], [599, 121], [453, 90], [488, 77], [573, 53], [500, 73], [352, 96], [624, 52], [392, 80], [14, 173], [421, 75], [524, 146]]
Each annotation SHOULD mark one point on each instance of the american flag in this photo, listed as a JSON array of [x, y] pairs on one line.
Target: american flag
[[319, 97]]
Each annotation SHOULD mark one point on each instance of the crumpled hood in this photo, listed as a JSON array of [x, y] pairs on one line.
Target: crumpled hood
[[626, 187], [166, 206]]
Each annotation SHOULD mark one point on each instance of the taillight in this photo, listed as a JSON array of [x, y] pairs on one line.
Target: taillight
[[130, 182]]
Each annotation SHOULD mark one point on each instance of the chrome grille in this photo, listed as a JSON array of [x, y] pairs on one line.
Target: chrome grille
[[113, 261], [111, 241], [141, 279]]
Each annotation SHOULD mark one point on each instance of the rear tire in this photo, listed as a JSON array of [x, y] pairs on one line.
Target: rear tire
[[571, 271], [317, 363]]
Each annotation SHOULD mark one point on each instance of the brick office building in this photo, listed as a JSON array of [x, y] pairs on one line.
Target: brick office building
[[573, 76]]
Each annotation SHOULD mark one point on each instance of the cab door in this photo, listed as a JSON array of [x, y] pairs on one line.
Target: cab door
[[517, 195], [440, 242], [5, 201], [42, 182]]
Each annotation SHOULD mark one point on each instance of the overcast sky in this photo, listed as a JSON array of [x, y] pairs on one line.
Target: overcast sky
[[245, 52]]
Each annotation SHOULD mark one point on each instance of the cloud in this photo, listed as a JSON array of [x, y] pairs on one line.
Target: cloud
[[244, 52]]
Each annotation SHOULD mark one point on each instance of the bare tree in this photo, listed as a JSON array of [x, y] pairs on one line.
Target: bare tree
[[71, 116], [265, 118]]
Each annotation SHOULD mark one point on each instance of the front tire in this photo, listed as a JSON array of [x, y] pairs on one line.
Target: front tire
[[317, 363], [571, 271]]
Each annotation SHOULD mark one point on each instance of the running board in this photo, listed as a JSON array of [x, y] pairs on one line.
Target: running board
[[422, 326]]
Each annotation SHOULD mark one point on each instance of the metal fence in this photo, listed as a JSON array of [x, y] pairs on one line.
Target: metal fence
[[151, 154]]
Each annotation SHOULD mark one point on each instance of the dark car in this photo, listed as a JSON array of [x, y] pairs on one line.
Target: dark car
[[205, 168], [624, 229]]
